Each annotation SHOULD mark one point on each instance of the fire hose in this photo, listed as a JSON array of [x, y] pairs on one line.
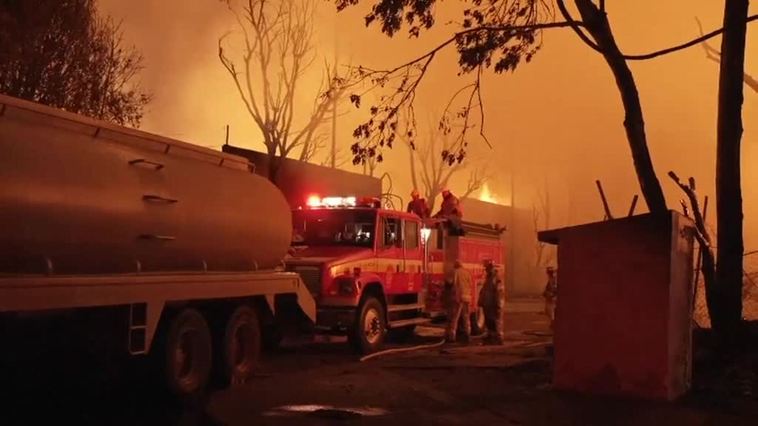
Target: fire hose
[[398, 350]]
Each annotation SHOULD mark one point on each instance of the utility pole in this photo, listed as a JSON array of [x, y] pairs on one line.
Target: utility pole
[[334, 125], [334, 98], [512, 229]]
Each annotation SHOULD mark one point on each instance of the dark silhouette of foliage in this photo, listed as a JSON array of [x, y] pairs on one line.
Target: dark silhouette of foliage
[[63, 54], [498, 35]]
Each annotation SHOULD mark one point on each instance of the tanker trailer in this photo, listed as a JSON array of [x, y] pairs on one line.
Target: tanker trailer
[[178, 246]]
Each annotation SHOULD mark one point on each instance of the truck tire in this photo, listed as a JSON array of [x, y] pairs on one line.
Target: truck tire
[[187, 354], [241, 346], [477, 321], [368, 334]]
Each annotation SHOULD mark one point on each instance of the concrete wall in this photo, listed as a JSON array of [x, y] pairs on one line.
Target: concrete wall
[[478, 211], [523, 276], [297, 179], [624, 310]]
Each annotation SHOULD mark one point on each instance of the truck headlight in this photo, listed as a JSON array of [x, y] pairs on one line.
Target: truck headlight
[[345, 285]]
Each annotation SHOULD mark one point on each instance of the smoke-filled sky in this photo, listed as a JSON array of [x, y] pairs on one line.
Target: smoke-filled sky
[[556, 123]]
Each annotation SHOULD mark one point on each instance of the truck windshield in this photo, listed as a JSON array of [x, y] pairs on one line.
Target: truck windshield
[[323, 227]]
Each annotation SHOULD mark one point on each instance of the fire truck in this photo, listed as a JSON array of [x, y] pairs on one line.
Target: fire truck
[[375, 270]]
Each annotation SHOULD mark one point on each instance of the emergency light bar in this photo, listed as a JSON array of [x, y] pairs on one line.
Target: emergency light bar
[[316, 201]]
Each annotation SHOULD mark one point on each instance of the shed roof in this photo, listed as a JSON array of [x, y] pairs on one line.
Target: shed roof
[[553, 236]]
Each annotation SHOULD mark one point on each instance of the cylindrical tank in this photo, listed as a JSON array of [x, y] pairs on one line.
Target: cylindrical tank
[[78, 196]]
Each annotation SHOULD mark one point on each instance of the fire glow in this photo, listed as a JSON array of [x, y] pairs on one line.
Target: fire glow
[[486, 195]]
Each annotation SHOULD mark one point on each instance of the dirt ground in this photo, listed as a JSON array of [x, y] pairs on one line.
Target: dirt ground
[[319, 382]]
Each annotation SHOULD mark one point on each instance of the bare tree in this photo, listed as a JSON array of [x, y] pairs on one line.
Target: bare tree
[[541, 220], [725, 290], [597, 25], [727, 316], [369, 167], [340, 159], [477, 177], [707, 260], [432, 173], [61, 53], [277, 52], [724, 277]]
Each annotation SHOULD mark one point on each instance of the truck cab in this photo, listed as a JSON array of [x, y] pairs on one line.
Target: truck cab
[[363, 265]]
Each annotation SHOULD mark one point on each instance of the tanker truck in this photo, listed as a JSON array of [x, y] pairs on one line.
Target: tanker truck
[[171, 251]]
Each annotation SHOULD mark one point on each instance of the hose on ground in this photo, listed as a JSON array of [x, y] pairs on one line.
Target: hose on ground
[[398, 350]]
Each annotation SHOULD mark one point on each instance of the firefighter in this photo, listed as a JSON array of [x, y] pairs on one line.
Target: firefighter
[[550, 294], [418, 205], [451, 211], [459, 306], [492, 300]]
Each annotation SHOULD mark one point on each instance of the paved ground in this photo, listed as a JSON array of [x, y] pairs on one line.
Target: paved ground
[[324, 383]]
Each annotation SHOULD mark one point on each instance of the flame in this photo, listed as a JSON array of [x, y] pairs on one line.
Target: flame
[[486, 195]]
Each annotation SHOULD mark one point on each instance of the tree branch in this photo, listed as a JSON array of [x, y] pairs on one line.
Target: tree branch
[[714, 55], [683, 46], [576, 26]]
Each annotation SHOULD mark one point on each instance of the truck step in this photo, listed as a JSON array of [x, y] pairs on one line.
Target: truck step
[[408, 307], [407, 322]]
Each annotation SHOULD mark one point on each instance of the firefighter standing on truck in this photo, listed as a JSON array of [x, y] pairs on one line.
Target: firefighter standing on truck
[[492, 301], [451, 211], [418, 205], [459, 306]]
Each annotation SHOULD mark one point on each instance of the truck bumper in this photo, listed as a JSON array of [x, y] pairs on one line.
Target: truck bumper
[[335, 318]]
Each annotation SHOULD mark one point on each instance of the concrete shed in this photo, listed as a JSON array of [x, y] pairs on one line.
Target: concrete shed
[[623, 317]]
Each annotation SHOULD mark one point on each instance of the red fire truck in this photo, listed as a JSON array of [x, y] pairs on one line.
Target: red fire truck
[[373, 270]]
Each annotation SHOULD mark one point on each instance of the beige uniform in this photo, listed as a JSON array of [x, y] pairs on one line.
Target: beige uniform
[[460, 303], [493, 303]]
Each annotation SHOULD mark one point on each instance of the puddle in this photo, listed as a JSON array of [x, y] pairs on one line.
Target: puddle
[[326, 411]]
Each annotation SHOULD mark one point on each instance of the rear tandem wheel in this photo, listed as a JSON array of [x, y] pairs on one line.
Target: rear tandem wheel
[[186, 354]]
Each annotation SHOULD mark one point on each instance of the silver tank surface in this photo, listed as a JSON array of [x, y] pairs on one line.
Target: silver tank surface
[[79, 196]]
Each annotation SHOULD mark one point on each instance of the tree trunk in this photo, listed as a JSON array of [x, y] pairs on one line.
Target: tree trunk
[[274, 163], [597, 24], [727, 314]]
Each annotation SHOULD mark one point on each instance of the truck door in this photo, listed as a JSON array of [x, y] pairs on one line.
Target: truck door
[[413, 255], [390, 260]]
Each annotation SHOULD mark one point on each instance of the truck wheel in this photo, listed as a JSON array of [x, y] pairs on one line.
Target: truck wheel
[[477, 321], [187, 354], [241, 346], [367, 335]]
